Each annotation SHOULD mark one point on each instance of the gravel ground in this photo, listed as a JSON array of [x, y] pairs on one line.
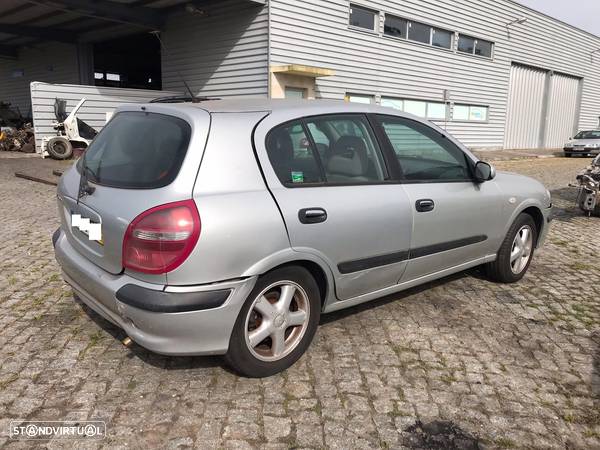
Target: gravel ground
[[459, 363]]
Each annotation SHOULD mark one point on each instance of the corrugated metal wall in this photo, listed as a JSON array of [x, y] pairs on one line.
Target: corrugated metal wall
[[562, 110], [54, 63], [525, 107], [100, 100], [222, 54], [316, 32]]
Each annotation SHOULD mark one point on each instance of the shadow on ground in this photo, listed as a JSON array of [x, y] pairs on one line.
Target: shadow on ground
[[151, 358]]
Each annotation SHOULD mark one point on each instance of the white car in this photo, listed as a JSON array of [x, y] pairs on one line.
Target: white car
[[584, 143]]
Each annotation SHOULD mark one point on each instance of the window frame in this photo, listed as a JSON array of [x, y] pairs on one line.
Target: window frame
[[432, 30], [470, 105], [476, 41], [386, 142], [390, 171], [427, 103], [376, 17]]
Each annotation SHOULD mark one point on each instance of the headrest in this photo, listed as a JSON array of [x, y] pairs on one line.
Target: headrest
[[349, 157]]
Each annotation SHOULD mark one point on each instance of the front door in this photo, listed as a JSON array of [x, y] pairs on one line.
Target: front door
[[456, 220], [329, 178]]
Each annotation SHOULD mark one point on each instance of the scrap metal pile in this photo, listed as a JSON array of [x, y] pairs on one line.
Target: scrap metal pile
[[16, 132], [588, 197]]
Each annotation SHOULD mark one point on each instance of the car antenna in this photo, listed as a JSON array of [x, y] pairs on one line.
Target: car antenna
[[156, 33]]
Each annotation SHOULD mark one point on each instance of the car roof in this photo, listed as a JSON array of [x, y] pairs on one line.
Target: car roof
[[259, 104]]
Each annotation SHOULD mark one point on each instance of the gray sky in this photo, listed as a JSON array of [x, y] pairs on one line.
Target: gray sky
[[584, 14]]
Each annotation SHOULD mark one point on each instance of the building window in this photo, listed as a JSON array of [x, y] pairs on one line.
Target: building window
[[472, 113], [297, 93], [417, 32], [359, 98], [395, 26], [362, 17], [420, 108], [473, 46], [441, 38]]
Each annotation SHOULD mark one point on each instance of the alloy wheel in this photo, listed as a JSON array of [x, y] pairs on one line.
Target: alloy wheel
[[277, 321], [521, 249]]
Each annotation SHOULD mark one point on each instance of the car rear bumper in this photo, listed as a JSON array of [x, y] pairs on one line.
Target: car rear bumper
[[170, 320]]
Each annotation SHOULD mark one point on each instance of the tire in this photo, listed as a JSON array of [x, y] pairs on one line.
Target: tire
[[266, 358], [568, 155], [59, 148], [503, 270]]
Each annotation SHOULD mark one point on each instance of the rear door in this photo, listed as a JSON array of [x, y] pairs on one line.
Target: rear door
[[456, 220], [140, 159], [330, 180]]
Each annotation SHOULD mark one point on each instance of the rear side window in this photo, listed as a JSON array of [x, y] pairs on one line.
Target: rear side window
[[291, 155], [138, 150], [336, 150]]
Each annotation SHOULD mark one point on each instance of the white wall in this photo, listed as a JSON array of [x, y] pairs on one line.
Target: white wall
[[222, 54], [316, 32], [100, 100], [53, 63]]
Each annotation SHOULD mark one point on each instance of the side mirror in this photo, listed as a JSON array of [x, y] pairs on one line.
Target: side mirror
[[484, 172]]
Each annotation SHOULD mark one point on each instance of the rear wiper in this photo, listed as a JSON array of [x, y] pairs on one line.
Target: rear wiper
[[84, 186]]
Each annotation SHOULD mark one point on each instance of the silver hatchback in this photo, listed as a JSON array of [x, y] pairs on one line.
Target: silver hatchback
[[228, 227]]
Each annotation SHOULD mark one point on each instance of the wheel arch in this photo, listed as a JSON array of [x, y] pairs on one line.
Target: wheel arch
[[538, 218], [315, 266]]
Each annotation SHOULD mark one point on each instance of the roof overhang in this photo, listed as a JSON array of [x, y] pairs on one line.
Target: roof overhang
[[303, 71]]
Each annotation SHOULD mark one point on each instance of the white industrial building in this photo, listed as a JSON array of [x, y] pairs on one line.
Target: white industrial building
[[494, 73]]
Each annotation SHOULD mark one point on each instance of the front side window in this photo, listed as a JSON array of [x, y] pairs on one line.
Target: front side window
[[291, 155], [423, 153], [362, 17]]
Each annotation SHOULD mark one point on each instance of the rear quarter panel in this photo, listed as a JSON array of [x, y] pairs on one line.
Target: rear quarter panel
[[240, 222]]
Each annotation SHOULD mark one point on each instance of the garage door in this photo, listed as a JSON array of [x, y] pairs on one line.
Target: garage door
[[525, 107], [562, 110]]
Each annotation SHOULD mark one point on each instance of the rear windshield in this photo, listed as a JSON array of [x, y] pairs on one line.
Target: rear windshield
[[137, 150]]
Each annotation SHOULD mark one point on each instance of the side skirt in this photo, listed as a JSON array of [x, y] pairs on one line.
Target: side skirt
[[338, 305]]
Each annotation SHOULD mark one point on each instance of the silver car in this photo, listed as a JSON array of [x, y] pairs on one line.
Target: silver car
[[584, 143], [228, 227]]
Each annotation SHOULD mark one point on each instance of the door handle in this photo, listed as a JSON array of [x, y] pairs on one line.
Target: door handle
[[425, 205], [312, 215]]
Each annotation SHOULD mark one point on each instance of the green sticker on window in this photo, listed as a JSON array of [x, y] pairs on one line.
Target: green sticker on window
[[297, 177]]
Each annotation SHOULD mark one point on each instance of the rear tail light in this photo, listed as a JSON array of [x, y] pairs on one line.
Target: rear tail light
[[159, 240]]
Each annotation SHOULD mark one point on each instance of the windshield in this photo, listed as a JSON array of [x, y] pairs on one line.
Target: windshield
[[595, 134], [138, 150]]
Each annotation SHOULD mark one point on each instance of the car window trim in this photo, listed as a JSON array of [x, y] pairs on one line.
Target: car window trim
[[388, 144]]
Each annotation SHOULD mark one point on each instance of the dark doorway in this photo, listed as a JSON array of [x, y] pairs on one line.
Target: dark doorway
[[128, 62]]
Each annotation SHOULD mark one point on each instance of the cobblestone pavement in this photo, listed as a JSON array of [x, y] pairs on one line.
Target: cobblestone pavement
[[461, 362]]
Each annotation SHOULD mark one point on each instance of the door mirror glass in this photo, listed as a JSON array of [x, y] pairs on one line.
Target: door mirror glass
[[484, 172]]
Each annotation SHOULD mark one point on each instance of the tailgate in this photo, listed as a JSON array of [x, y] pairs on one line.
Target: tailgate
[[136, 163]]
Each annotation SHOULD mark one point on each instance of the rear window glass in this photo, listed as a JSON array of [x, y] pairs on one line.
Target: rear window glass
[[138, 150]]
